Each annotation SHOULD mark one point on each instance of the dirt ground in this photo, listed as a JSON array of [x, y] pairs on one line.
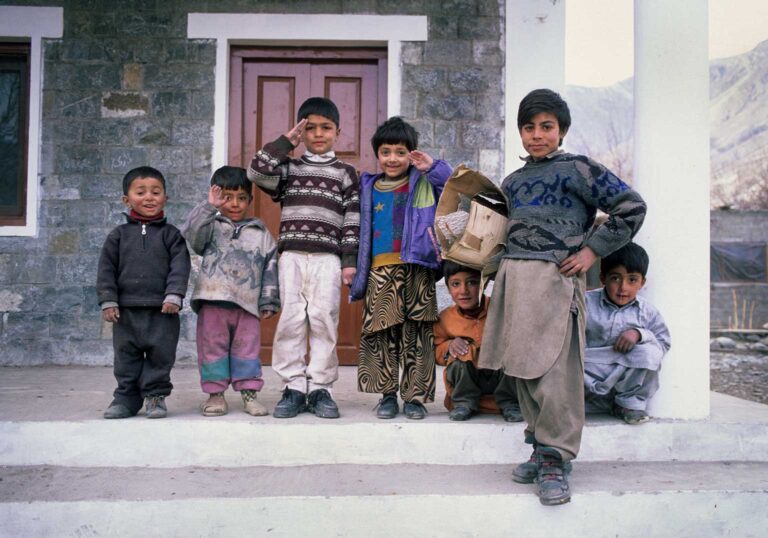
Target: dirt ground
[[740, 374]]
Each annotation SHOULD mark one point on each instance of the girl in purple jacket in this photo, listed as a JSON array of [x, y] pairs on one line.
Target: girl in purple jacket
[[396, 267]]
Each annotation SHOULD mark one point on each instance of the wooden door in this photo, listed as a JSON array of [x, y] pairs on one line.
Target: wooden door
[[267, 87]]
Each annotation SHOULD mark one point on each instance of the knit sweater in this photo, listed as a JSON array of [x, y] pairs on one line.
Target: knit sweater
[[553, 203], [239, 261], [141, 264], [320, 200]]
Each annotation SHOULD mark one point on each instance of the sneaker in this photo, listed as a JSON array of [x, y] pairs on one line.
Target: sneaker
[[291, 404], [414, 410], [460, 413], [387, 406], [250, 405], [511, 413], [154, 407], [552, 477], [215, 405], [630, 416], [320, 403], [117, 410]]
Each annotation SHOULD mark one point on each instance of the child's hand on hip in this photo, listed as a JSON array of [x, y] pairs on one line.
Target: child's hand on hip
[[111, 314], [578, 263], [419, 159], [458, 348], [294, 135], [170, 308], [348, 275], [626, 341]]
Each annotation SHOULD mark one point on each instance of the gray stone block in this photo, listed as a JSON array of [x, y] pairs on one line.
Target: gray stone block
[[92, 239], [491, 8], [461, 8], [61, 132], [171, 104], [447, 52], [479, 27], [104, 186], [192, 133], [203, 105], [487, 53], [448, 107], [202, 51], [82, 76], [64, 241], [51, 49], [443, 27], [358, 6], [76, 104], [426, 132], [107, 132], [54, 187], [478, 135], [89, 212], [124, 104], [446, 134], [412, 53], [25, 326], [170, 159], [120, 160], [152, 132], [52, 214], [77, 160], [76, 269], [423, 79], [83, 48], [175, 77], [474, 79], [74, 327], [52, 299], [30, 268], [409, 102], [152, 23]]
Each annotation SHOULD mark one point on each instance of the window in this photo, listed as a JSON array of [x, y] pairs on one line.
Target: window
[[14, 104]]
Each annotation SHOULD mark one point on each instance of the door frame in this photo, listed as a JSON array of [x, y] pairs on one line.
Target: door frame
[[231, 29]]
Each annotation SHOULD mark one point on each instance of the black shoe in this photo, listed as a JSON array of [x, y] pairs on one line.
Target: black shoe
[[414, 410], [630, 416], [118, 410], [320, 403], [511, 413], [387, 407], [552, 477], [291, 404], [460, 413]]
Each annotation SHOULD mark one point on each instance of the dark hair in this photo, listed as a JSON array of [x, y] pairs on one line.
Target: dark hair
[[231, 178], [632, 256], [451, 268], [320, 106], [544, 100], [141, 172], [395, 131]]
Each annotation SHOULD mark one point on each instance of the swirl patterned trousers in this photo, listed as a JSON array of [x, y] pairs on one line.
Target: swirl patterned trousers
[[398, 313]]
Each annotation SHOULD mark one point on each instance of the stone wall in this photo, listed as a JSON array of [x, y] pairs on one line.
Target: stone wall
[[124, 87], [734, 304]]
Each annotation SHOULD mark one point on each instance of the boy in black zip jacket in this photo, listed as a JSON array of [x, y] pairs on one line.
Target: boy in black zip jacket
[[141, 282]]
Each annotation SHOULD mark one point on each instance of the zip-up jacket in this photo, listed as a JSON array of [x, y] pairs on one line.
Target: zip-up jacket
[[141, 264]]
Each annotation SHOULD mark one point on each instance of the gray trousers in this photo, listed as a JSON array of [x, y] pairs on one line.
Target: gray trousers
[[553, 404], [606, 384], [470, 383]]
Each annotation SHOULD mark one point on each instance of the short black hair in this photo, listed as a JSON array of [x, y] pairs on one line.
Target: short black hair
[[544, 100], [141, 172], [321, 106], [231, 178], [395, 131], [632, 256], [451, 268]]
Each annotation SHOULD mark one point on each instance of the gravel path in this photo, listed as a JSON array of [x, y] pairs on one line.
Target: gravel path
[[740, 374]]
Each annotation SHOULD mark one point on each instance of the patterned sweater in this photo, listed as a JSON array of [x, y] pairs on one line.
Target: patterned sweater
[[553, 203], [320, 200]]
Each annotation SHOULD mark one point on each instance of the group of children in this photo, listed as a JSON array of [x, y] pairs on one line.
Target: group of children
[[372, 235]]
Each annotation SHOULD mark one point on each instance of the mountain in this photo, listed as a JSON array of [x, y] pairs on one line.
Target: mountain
[[602, 122]]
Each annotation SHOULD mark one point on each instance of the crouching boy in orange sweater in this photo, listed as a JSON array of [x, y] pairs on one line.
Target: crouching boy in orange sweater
[[458, 335]]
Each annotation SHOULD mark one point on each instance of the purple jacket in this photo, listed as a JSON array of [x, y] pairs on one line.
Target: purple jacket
[[417, 246]]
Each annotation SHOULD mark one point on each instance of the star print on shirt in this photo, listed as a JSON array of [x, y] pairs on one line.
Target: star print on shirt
[[379, 207]]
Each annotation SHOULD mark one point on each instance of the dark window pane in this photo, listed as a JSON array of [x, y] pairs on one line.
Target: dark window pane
[[14, 103], [737, 262]]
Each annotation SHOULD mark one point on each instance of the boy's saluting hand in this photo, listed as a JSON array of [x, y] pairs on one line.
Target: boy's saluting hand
[[214, 196], [294, 135], [420, 160]]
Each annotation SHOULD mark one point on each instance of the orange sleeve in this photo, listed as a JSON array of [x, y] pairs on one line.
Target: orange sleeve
[[442, 340]]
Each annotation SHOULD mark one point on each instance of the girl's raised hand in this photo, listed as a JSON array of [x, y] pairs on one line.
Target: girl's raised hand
[[422, 161], [214, 196], [294, 135]]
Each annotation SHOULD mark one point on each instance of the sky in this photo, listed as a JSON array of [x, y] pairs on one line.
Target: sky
[[735, 27]]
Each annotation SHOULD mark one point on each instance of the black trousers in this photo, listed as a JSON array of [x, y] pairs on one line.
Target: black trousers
[[145, 342], [469, 383]]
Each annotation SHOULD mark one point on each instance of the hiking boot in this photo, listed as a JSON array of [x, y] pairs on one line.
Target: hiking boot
[[387, 406], [552, 478], [511, 413], [215, 405], [291, 404], [154, 407], [320, 403], [414, 410], [117, 410], [630, 416], [460, 413], [250, 405]]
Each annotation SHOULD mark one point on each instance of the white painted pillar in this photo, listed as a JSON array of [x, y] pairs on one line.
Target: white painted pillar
[[535, 58], [672, 174]]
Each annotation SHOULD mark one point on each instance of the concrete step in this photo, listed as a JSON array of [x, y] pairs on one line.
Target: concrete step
[[609, 499], [52, 416]]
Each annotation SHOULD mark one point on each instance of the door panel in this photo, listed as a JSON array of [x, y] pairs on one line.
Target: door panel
[[267, 87]]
